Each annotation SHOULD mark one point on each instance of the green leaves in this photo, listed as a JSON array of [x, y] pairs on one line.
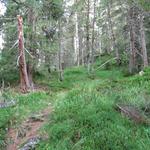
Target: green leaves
[[145, 4], [54, 8]]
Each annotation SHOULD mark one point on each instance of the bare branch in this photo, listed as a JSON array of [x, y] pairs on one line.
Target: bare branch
[[29, 53], [106, 63], [13, 45]]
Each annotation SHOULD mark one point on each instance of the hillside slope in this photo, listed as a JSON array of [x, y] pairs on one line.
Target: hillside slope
[[84, 116]]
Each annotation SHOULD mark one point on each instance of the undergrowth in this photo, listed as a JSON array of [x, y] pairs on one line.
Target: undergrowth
[[85, 117], [26, 105]]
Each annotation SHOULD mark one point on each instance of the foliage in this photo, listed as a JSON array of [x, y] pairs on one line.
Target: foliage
[[35, 14], [85, 118]]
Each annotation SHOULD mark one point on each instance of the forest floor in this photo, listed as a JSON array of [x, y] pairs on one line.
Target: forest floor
[[80, 112], [27, 130]]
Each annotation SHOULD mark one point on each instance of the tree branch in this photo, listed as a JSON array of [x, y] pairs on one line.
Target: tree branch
[[106, 63]]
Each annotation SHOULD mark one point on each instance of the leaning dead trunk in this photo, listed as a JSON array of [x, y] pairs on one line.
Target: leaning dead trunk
[[24, 81]]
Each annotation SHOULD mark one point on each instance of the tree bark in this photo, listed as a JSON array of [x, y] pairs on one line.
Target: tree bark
[[60, 53], [93, 33], [143, 42], [30, 42], [76, 40], [30, 70], [87, 33], [24, 81], [113, 38], [132, 60]]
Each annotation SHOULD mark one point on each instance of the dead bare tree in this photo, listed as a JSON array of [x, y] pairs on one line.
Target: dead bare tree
[[24, 81]]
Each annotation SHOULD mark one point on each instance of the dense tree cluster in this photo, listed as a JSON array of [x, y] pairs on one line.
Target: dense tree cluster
[[62, 33]]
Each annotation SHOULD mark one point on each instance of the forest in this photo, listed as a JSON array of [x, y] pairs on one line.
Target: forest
[[74, 74]]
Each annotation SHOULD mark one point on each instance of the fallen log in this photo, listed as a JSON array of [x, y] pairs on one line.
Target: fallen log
[[133, 113]]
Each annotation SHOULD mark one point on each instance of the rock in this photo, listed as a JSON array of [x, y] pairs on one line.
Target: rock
[[31, 143], [141, 73], [8, 104]]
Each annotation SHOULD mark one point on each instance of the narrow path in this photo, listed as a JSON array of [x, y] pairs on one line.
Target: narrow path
[[27, 130]]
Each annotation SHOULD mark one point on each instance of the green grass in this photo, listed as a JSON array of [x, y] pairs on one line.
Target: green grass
[[85, 117], [72, 77], [26, 106]]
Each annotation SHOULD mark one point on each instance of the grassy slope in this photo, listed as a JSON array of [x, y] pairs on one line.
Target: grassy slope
[[84, 117]]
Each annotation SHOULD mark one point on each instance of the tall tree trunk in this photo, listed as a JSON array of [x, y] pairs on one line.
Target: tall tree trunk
[[60, 53], [31, 39], [132, 61], [143, 42], [82, 48], [80, 36], [76, 40], [99, 41], [113, 38], [24, 81], [93, 33], [88, 50], [109, 47], [30, 74], [88, 28]]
